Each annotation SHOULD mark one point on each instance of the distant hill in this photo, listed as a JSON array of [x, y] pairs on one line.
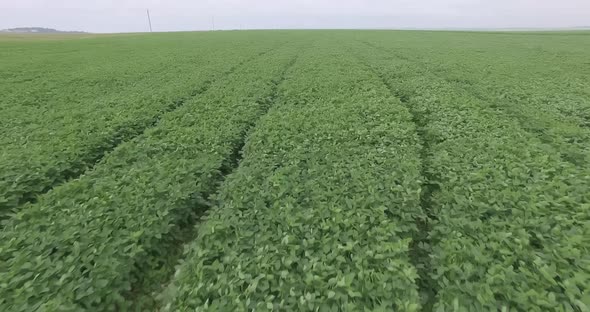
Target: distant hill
[[39, 30]]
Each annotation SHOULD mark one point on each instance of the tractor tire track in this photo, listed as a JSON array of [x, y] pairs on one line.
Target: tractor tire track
[[421, 244], [535, 126], [148, 299], [124, 133]]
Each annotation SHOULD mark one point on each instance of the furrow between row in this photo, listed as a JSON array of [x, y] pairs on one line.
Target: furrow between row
[[98, 242], [321, 212], [23, 180], [510, 227]]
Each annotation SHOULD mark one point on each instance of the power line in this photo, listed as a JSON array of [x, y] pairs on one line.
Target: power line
[[149, 19]]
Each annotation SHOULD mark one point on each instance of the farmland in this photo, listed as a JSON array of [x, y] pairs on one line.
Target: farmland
[[295, 171]]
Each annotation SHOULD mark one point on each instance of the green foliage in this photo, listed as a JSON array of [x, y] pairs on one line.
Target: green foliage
[[511, 216], [321, 211], [89, 243], [376, 171], [536, 79], [62, 115]]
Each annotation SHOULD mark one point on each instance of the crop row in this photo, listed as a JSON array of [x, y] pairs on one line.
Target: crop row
[[59, 137], [94, 242], [320, 214], [510, 218], [551, 102]]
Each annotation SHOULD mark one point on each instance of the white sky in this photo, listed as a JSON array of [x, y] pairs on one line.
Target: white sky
[[129, 15]]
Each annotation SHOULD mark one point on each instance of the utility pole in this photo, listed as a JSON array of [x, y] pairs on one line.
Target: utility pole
[[149, 19], [213, 22]]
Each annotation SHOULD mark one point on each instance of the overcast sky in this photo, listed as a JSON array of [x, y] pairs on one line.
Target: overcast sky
[[130, 15]]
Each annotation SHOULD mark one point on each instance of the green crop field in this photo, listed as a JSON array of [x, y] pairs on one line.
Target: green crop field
[[295, 171]]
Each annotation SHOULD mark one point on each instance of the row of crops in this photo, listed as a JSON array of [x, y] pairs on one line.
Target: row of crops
[[548, 101], [509, 214], [320, 213], [303, 171], [91, 243], [64, 125]]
